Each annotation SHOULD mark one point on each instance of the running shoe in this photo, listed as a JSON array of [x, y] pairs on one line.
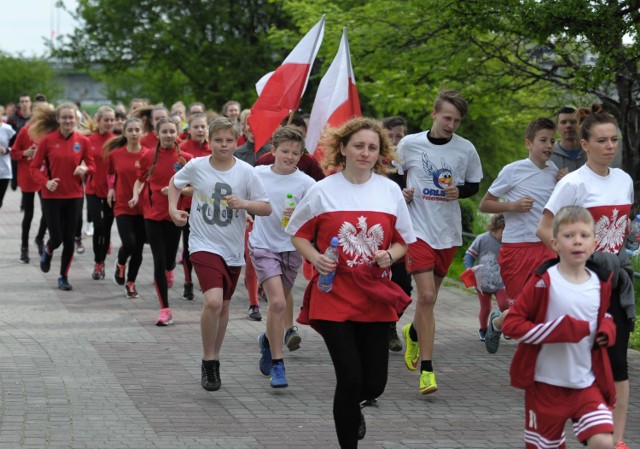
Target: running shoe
[[98, 271], [292, 339], [210, 377], [412, 353], [254, 313], [482, 333], [492, 338], [118, 276], [165, 318], [265, 355], [170, 278], [395, 344], [621, 445], [40, 245], [362, 427], [277, 378], [45, 261], [79, 245], [24, 255], [63, 284], [428, 382], [188, 291], [132, 293]]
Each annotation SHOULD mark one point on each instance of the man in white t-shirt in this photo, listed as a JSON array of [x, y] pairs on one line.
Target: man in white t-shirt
[[441, 168], [6, 134]]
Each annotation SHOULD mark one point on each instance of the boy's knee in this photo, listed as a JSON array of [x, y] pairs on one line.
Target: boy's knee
[[600, 441]]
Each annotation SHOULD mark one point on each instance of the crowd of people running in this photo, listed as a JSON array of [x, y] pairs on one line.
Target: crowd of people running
[[553, 256]]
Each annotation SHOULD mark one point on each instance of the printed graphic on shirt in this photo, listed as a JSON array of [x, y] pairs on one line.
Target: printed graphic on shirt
[[76, 147], [214, 209], [441, 176], [611, 231], [359, 242]]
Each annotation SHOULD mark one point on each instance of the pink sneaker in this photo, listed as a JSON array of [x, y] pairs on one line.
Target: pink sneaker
[[165, 318], [621, 445], [169, 279]]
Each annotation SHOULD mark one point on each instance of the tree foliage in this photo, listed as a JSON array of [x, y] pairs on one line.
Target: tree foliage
[[19, 74], [168, 50]]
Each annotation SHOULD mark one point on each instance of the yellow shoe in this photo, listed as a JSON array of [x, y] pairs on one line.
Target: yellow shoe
[[428, 382], [412, 353]]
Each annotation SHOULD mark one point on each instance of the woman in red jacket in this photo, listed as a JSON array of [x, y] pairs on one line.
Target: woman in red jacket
[[197, 146], [123, 159], [155, 171], [23, 151], [96, 189], [61, 161]]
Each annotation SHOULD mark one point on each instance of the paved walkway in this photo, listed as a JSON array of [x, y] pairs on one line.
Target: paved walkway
[[89, 369]]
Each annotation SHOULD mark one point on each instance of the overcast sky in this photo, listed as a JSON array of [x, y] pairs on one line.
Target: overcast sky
[[24, 24]]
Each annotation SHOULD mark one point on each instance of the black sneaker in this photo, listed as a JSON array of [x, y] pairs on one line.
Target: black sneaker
[[132, 293], [63, 284], [254, 313], [24, 255], [40, 245], [118, 276], [395, 344], [210, 379], [45, 261], [188, 291], [292, 339]]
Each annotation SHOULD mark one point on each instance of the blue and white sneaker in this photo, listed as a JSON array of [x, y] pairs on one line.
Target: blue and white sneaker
[[278, 378], [265, 357]]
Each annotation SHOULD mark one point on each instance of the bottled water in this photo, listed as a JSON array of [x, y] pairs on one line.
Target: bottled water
[[325, 281], [288, 202]]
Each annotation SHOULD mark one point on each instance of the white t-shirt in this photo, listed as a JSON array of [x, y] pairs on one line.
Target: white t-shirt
[[569, 364], [6, 133], [267, 231], [429, 169], [215, 227], [608, 199], [521, 179]]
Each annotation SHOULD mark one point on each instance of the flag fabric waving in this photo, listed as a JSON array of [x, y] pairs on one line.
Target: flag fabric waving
[[280, 91], [337, 99]]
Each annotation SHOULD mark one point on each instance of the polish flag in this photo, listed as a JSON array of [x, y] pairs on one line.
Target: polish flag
[[280, 91], [337, 98]]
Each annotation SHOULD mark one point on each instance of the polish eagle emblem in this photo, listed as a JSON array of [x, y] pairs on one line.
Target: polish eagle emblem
[[610, 232], [359, 242]]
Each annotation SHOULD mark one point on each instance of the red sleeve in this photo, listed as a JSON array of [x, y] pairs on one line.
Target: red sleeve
[[87, 157], [608, 328], [521, 324], [39, 176], [22, 143]]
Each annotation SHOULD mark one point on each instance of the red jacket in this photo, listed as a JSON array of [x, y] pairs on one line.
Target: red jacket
[[155, 205], [196, 150], [22, 143], [60, 156], [124, 166], [526, 323], [96, 183]]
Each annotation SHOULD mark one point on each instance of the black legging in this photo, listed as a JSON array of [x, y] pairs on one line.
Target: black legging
[[132, 236], [360, 355], [4, 183], [101, 216], [164, 239], [187, 266], [62, 217], [28, 199]]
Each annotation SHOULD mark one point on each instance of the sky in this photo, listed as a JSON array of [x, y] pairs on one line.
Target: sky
[[26, 23]]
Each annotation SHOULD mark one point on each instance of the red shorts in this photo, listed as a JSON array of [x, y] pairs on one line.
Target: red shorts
[[517, 261], [421, 257], [213, 272], [547, 409]]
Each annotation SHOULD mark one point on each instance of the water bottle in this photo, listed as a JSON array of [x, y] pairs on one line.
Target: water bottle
[[288, 202], [325, 281]]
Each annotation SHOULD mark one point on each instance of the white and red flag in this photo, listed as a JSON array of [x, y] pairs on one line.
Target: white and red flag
[[280, 91], [337, 98]]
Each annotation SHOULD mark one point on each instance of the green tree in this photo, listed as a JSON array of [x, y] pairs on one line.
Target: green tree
[[168, 50], [19, 74]]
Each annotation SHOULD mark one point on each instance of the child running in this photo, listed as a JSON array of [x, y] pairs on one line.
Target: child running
[[563, 330], [485, 249], [225, 189], [274, 257]]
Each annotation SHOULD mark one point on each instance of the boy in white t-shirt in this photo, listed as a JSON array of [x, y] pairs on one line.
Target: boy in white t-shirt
[[6, 133], [561, 323], [525, 186], [274, 257], [225, 189]]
